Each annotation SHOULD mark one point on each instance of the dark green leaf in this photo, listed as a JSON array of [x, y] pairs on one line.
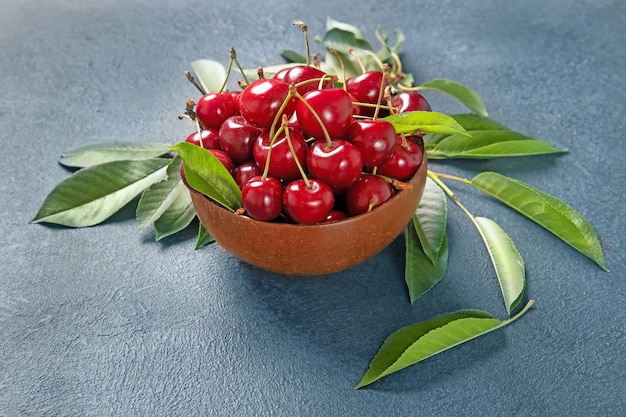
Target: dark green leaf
[[546, 210], [204, 238], [462, 93], [490, 144], [177, 216], [430, 220], [206, 174], [421, 274], [506, 259], [101, 153], [211, 74], [293, 56], [93, 194], [426, 122]]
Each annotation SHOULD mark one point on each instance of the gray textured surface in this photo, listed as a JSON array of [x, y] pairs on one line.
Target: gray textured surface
[[104, 321]]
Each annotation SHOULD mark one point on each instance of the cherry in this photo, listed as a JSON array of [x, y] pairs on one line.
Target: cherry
[[210, 138], [280, 74], [334, 108], [261, 101], [282, 163], [376, 139], [308, 201], [246, 171], [404, 162], [335, 215], [338, 163], [263, 198], [213, 108], [369, 192], [366, 87], [406, 101], [237, 137], [300, 73], [224, 159]]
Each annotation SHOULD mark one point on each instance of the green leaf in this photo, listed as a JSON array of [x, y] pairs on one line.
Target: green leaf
[[506, 259], [333, 25], [491, 144], [462, 93], [430, 220], [206, 174], [546, 210], [93, 194], [210, 74], [100, 153], [204, 238], [177, 216], [412, 344], [470, 122], [421, 274], [426, 122], [159, 196], [293, 56]]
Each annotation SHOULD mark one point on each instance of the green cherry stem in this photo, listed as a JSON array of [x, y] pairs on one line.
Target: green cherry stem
[[381, 90], [305, 31], [281, 109], [343, 67], [329, 142], [352, 52], [233, 54], [285, 126], [273, 139], [195, 83]]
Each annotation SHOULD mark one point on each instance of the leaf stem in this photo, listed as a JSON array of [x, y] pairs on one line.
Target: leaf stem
[[435, 177], [519, 314]]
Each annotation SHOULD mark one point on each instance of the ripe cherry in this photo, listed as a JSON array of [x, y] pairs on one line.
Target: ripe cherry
[[335, 215], [210, 138], [376, 139], [404, 162], [237, 137], [282, 163], [366, 88], [300, 73], [263, 198], [224, 159], [369, 192], [334, 108], [262, 99], [246, 171], [308, 203], [338, 163], [213, 108], [406, 101]]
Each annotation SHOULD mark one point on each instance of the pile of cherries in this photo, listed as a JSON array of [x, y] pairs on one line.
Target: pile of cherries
[[303, 149]]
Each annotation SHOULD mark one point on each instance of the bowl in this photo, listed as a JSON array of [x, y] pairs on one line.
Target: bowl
[[292, 249]]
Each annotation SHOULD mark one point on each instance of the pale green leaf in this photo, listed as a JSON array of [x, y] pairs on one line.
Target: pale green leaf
[[462, 93], [506, 260], [430, 220], [293, 56], [421, 274], [204, 237], [93, 194], [546, 210], [177, 216], [100, 153], [210, 74], [425, 122]]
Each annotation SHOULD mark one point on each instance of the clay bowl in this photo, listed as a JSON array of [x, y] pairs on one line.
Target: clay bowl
[[292, 249]]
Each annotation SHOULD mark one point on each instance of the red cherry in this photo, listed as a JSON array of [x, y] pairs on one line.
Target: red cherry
[[210, 138], [262, 198], [213, 108], [237, 137], [333, 106], [369, 192], [224, 159], [301, 73], [335, 215], [308, 205], [366, 87], [262, 99], [404, 162], [338, 165], [280, 74], [376, 139], [406, 101], [282, 161], [246, 171]]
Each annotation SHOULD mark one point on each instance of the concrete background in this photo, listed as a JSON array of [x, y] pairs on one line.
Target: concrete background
[[104, 321]]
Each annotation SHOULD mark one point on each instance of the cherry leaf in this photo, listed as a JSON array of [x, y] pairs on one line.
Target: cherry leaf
[[430, 220], [99, 153], [425, 122], [470, 122], [546, 210], [206, 174], [462, 93], [93, 194], [421, 273], [506, 259], [177, 216], [209, 73], [414, 343], [204, 238]]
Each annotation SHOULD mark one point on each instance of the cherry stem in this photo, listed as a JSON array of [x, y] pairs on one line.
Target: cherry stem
[[378, 61], [358, 59], [195, 83], [273, 139], [435, 177], [343, 68], [381, 90], [285, 125], [329, 142], [305, 31], [397, 184], [233, 56], [260, 73], [191, 115], [281, 109]]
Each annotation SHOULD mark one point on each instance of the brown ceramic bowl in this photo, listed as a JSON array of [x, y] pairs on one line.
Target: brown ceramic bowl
[[292, 249]]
